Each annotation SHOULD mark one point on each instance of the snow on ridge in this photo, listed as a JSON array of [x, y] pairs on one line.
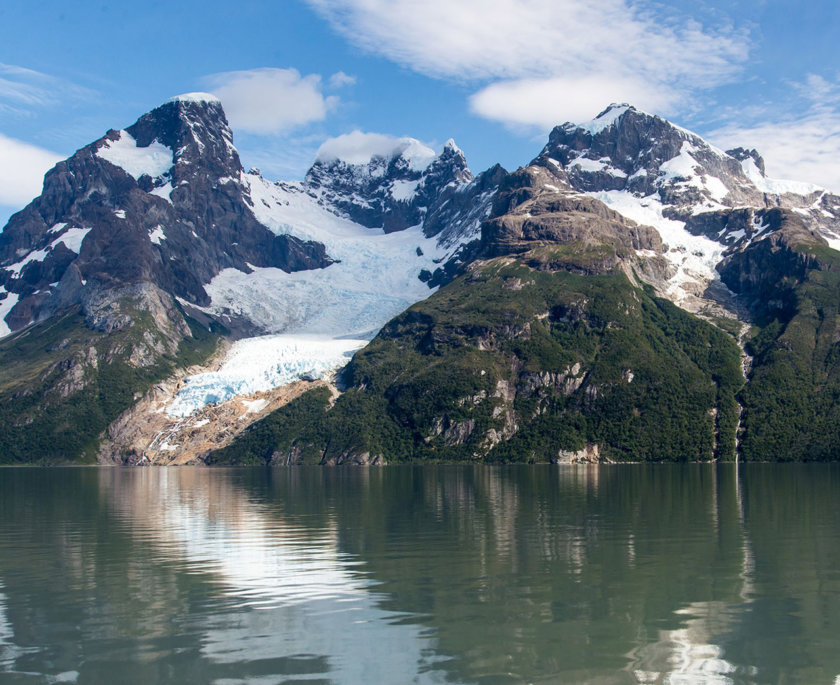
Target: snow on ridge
[[605, 119], [155, 160], [776, 186], [262, 363], [693, 257], [200, 98], [72, 239], [356, 148]]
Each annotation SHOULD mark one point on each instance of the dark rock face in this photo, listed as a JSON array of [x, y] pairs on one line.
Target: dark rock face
[[759, 267], [536, 206], [176, 230], [742, 155]]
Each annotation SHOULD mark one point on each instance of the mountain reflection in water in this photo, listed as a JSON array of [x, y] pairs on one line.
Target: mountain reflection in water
[[625, 574]]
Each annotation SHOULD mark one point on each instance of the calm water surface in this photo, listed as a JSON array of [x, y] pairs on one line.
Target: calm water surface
[[621, 574]]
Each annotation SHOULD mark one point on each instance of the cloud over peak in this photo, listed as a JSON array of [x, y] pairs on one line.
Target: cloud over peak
[[270, 100]]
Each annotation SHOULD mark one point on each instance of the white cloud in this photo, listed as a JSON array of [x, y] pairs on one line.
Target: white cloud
[[359, 148], [22, 169], [604, 43], [802, 146], [268, 101], [538, 102], [339, 79], [802, 149]]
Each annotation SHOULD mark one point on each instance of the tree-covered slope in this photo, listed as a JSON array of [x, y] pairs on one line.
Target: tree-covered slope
[[791, 282], [63, 381]]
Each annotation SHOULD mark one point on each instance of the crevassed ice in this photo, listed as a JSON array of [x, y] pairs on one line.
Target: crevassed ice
[[262, 363], [320, 316]]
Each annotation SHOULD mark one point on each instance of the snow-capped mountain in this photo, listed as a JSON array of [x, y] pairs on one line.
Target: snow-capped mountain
[[157, 228], [705, 203], [165, 203], [160, 203]]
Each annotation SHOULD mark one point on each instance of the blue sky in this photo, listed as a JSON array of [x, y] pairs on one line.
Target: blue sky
[[495, 75]]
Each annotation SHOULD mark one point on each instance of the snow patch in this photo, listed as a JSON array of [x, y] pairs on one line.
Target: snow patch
[[404, 191], [6, 306], [254, 406], [682, 167], [72, 239], [259, 364], [163, 191], [154, 160], [119, 213], [605, 119], [598, 165], [157, 235], [693, 257]]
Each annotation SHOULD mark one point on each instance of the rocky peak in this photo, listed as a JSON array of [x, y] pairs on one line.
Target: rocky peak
[[742, 155], [624, 148], [194, 126], [384, 182], [160, 202]]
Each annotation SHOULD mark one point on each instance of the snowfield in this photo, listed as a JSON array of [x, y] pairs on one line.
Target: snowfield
[[694, 257]]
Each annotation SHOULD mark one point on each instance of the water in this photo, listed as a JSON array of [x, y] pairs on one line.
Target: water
[[620, 574]]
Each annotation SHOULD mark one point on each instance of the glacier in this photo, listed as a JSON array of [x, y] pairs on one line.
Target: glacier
[[262, 363]]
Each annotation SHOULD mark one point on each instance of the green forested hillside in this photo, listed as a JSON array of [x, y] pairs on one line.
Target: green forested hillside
[[62, 382]]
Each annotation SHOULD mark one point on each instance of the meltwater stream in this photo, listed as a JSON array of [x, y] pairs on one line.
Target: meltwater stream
[[620, 574]]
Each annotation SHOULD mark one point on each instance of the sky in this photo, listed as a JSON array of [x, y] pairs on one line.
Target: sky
[[494, 75]]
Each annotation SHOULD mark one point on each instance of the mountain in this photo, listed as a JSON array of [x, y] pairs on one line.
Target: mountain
[[560, 339], [550, 313], [151, 233]]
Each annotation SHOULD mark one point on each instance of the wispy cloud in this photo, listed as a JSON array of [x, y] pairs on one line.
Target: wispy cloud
[[22, 89], [272, 101], [521, 53], [22, 169], [803, 145]]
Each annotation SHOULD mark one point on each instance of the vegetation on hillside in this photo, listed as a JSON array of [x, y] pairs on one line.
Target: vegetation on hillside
[[62, 384], [792, 402], [521, 360]]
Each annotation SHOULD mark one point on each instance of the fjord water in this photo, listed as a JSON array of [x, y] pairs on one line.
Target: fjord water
[[616, 574]]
